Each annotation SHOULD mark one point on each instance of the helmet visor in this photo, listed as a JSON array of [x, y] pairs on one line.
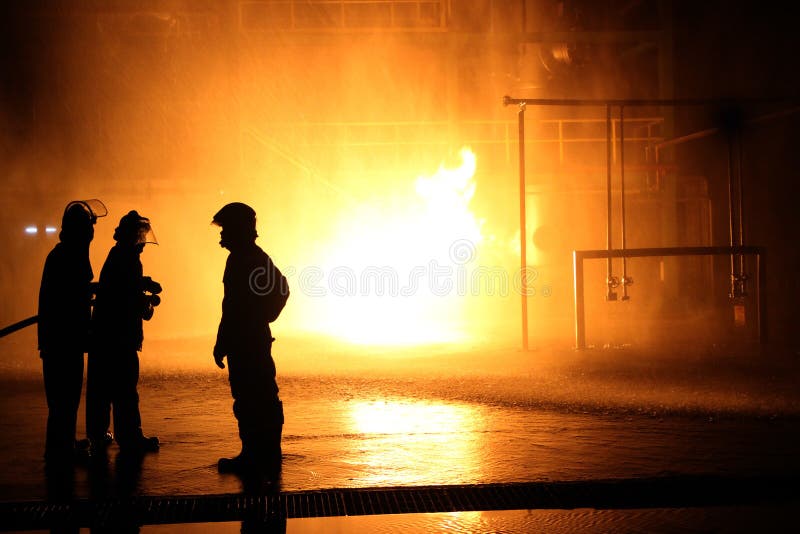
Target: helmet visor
[[94, 207], [146, 234]]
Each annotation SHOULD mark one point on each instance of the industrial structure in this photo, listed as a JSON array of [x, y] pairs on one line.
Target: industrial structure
[[630, 124]]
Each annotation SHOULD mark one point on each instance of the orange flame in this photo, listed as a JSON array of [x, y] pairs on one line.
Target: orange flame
[[389, 278]]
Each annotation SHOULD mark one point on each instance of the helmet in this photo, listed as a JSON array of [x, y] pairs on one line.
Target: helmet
[[78, 218], [93, 207], [76, 214], [235, 215], [135, 229], [238, 223]]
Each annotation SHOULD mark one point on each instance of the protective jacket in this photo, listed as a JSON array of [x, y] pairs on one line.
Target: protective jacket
[[117, 317], [255, 294], [65, 299]]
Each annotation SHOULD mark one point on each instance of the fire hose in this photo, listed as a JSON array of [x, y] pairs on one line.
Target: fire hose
[[10, 329]]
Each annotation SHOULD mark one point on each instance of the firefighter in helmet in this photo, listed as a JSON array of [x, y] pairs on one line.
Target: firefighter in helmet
[[125, 297], [255, 292], [65, 301]]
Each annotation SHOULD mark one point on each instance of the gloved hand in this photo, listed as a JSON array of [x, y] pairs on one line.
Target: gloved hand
[[218, 357], [150, 285]]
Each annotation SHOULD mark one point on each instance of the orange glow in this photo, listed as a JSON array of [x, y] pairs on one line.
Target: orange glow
[[390, 274], [395, 417], [415, 442]]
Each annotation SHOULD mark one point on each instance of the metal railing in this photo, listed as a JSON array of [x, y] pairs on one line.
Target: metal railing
[[343, 15], [497, 133]]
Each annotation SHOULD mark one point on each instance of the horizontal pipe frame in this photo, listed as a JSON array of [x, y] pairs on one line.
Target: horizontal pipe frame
[[579, 256]]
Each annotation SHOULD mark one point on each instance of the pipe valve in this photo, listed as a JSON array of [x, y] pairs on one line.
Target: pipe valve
[[738, 285], [626, 281], [612, 282]]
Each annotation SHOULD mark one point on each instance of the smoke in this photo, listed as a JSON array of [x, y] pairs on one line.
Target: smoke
[[177, 110]]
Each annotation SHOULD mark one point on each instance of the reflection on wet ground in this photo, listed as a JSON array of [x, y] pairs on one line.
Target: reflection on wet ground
[[716, 519], [572, 419], [370, 432]]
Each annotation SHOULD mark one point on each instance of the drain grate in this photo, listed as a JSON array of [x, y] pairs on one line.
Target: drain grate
[[687, 491]]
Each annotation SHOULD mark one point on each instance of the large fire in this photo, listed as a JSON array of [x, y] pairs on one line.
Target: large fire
[[395, 274]]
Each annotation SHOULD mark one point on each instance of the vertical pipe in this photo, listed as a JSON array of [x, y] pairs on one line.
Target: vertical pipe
[[648, 157], [761, 273], [741, 201], [507, 131], [622, 199], [523, 232], [658, 169], [731, 215], [613, 139], [610, 283], [580, 319], [608, 189], [708, 243]]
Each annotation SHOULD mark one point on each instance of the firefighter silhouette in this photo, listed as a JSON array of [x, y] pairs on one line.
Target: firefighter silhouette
[[124, 299], [255, 292], [65, 300]]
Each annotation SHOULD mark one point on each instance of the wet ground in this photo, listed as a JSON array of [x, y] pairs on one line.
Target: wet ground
[[473, 417]]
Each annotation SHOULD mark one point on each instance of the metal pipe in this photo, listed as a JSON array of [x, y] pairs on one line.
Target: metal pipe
[[596, 254], [580, 313], [523, 232], [776, 115], [731, 216], [610, 294], [622, 199], [761, 309], [741, 210], [711, 131], [578, 257], [709, 240], [509, 101], [613, 142], [689, 137], [657, 151]]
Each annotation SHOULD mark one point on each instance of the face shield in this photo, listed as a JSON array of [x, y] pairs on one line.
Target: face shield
[[134, 229], [94, 207], [145, 234], [77, 223]]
